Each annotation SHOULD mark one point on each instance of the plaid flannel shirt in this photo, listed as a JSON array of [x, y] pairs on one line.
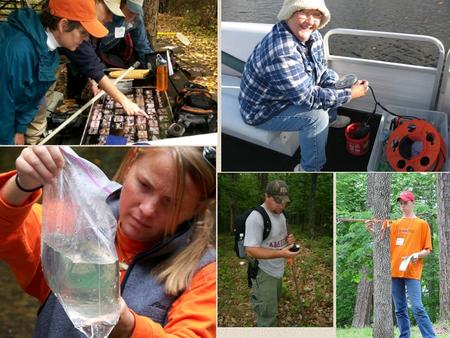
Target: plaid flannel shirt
[[283, 71]]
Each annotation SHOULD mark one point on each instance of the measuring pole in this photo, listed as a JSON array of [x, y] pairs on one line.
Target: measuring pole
[[87, 104]]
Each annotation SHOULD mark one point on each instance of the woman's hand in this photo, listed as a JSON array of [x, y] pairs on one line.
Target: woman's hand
[[38, 165], [125, 325], [360, 89], [132, 108]]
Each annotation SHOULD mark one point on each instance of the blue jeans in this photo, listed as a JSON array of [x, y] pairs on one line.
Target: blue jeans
[[313, 128], [399, 287]]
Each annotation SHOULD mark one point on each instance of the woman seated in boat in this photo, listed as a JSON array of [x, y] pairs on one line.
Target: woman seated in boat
[[287, 86]]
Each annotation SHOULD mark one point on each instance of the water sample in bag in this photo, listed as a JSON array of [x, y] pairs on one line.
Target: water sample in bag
[[78, 255], [80, 284]]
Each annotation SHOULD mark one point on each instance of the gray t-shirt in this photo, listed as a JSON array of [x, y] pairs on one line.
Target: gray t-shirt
[[276, 240]]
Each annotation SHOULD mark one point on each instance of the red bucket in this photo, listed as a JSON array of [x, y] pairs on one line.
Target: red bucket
[[357, 136]]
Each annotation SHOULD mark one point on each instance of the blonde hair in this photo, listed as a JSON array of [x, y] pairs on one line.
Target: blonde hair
[[177, 272]]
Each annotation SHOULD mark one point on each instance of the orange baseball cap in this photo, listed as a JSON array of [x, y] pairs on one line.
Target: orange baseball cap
[[83, 11]]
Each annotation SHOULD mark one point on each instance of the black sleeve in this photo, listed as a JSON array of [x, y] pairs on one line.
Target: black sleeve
[[86, 60]]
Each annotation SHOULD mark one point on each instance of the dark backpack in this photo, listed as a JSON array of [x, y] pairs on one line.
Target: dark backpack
[[195, 99], [239, 229]]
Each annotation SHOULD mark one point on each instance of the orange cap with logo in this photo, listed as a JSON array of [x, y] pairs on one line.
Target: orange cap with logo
[[83, 11]]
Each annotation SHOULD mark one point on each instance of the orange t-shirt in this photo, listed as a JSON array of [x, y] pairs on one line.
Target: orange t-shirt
[[408, 236]]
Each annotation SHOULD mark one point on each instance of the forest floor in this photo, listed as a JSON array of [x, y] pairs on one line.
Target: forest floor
[[442, 331], [314, 268], [200, 56]]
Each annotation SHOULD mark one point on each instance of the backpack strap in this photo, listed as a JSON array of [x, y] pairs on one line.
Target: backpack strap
[[266, 220], [252, 270]]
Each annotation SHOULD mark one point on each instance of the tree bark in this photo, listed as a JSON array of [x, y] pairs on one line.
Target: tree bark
[[312, 205], [233, 213], [443, 219], [370, 191], [263, 180], [363, 305], [151, 19], [383, 321]]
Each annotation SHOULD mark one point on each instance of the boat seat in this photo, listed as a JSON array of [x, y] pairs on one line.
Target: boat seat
[[233, 124]]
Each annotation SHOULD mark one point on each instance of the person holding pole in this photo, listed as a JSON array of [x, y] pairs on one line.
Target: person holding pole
[[410, 242], [270, 253]]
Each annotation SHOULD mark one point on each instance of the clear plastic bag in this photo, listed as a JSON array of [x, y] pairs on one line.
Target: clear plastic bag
[[78, 254]]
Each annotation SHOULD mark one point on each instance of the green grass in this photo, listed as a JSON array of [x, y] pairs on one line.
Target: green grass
[[442, 331]]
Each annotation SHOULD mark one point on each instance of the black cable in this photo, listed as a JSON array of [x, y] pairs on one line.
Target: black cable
[[378, 104]]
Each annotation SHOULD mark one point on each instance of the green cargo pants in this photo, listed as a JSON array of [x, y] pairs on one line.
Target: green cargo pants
[[265, 296]]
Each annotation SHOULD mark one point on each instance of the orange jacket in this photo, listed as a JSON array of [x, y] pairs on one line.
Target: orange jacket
[[193, 314]]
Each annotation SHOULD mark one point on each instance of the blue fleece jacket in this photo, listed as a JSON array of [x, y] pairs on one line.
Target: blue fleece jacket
[[27, 70]]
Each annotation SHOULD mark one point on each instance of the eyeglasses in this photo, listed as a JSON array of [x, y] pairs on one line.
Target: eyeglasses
[[315, 14], [209, 154]]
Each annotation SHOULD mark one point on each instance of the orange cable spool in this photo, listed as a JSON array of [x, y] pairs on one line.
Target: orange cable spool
[[399, 147]]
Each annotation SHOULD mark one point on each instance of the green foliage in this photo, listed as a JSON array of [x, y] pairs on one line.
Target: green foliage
[[244, 191], [354, 243]]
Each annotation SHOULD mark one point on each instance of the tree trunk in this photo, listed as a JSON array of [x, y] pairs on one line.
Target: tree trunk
[[363, 305], [383, 321], [233, 213], [443, 219], [312, 205], [370, 191], [263, 180], [151, 19]]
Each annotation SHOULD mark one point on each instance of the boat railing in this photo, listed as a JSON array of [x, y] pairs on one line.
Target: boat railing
[[394, 83], [443, 103]]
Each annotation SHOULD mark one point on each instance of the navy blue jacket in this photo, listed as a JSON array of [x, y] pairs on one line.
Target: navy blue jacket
[[85, 59], [27, 71]]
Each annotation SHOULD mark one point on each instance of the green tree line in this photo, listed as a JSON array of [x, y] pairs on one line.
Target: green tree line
[[311, 198]]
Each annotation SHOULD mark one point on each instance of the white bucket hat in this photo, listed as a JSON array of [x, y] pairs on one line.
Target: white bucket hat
[[114, 7], [292, 6]]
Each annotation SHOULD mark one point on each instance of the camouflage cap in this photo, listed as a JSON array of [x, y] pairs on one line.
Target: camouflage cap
[[278, 189]]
